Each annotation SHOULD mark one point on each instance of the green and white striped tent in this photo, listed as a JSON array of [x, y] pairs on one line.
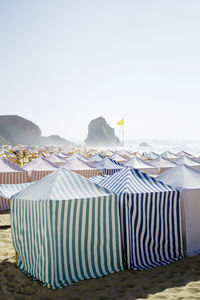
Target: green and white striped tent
[[65, 229]]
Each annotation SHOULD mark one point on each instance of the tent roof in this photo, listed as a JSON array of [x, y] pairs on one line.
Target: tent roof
[[8, 166], [184, 153], [40, 164], [187, 161], [137, 163], [118, 157], [133, 181], [62, 185], [106, 163], [8, 190], [75, 163], [168, 154], [55, 158], [181, 176], [161, 162]]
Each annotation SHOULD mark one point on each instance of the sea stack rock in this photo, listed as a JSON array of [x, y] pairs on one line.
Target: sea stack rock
[[18, 130], [101, 134]]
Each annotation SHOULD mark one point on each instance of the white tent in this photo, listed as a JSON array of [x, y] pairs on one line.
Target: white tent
[[187, 179], [181, 153], [81, 167], [118, 157], [163, 164], [56, 159], [169, 155], [137, 163], [39, 168], [188, 161], [11, 173], [151, 155]]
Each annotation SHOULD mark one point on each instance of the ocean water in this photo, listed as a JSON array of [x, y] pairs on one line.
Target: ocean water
[[159, 146]]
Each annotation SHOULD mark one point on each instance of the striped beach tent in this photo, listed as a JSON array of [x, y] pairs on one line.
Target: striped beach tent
[[56, 159], [150, 219], [7, 191], [86, 169], [65, 229], [39, 168], [10, 173], [97, 179], [108, 166], [187, 179], [186, 160], [163, 164], [169, 155], [139, 164], [96, 157], [118, 157]]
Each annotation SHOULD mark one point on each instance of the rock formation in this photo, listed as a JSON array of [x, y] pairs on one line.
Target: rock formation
[[55, 140], [101, 134], [3, 141], [18, 130]]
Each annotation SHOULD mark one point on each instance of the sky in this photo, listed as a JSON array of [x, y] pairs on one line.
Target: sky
[[66, 62]]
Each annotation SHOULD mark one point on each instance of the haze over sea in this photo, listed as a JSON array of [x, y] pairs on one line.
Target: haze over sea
[[161, 145]]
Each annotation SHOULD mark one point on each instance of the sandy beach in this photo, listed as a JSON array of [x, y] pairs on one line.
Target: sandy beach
[[179, 280]]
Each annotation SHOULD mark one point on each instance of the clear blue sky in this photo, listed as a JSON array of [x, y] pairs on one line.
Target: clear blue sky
[[63, 63]]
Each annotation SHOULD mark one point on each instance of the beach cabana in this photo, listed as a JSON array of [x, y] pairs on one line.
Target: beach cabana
[[56, 159], [186, 160], [108, 166], [97, 157], [118, 157], [10, 173], [151, 155], [139, 164], [169, 155], [81, 167], [150, 219], [39, 168], [65, 229], [181, 153], [187, 179], [162, 164], [7, 191]]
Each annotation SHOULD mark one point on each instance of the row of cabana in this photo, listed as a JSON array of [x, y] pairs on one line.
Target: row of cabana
[[66, 228]]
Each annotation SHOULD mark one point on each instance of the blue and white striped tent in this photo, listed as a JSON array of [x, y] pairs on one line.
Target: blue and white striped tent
[[97, 179], [108, 167], [65, 229], [150, 219]]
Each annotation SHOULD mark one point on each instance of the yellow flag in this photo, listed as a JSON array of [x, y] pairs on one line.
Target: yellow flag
[[120, 123]]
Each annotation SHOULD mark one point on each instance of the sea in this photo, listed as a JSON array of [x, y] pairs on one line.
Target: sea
[[159, 146]]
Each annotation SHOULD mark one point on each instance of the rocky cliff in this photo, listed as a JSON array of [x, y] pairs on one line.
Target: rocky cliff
[[18, 130], [101, 134], [55, 140]]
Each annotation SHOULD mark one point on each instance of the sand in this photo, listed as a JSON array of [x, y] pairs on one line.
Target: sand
[[179, 280]]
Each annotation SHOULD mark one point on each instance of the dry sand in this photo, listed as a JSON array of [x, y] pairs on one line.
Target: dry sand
[[180, 280]]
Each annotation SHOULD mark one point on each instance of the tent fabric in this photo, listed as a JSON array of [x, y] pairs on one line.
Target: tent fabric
[[150, 219], [169, 155], [96, 157], [4, 204], [108, 167], [8, 190], [56, 159], [65, 229], [97, 179], [162, 164], [10, 173], [118, 157], [86, 169], [186, 160], [187, 179], [137, 163], [40, 164], [39, 168], [181, 153]]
